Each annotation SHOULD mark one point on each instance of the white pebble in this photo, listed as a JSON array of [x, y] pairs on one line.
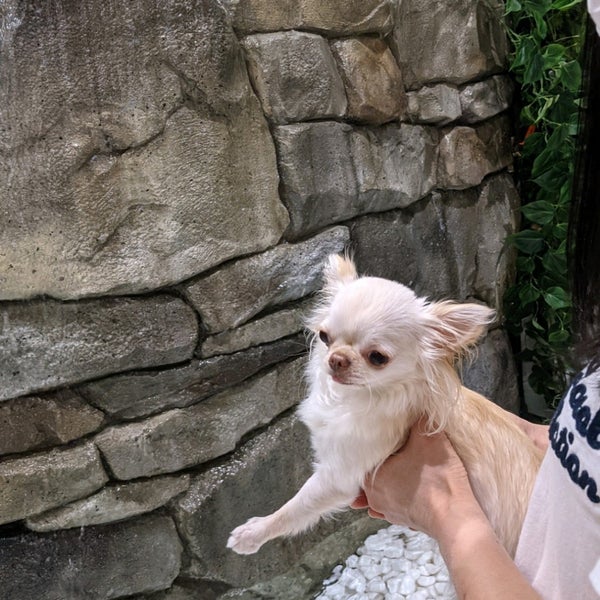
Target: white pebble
[[354, 580], [335, 575], [372, 571], [412, 554], [352, 561], [425, 581], [393, 584], [408, 585], [335, 589], [394, 564], [444, 590], [374, 544], [385, 565], [365, 561], [432, 568], [394, 551], [377, 586]]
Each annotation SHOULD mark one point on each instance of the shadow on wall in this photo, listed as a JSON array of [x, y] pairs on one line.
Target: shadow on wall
[[174, 175]]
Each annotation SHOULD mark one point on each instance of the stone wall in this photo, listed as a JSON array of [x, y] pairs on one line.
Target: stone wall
[[173, 175]]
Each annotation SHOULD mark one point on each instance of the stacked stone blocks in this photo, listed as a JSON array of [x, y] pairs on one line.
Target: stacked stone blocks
[[182, 187]]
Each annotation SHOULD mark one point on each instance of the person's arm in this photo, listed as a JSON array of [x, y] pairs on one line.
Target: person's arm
[[425, 486]]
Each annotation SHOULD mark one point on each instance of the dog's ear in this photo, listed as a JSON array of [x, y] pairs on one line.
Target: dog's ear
[[452, 328], [338, 270]]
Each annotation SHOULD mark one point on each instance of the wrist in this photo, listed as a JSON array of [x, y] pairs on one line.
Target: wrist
[[464, 532], [450, 520]]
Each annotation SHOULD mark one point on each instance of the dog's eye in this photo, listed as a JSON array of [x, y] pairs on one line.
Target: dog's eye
[[324, 337], [377, 359]]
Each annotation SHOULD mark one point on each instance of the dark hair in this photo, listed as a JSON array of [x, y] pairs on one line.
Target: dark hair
[[584, 222]]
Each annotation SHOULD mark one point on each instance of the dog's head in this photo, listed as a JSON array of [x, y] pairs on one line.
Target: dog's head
[[375, 332]]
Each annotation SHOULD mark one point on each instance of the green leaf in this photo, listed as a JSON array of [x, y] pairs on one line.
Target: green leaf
[[528, 294], [512, 6], [557, 297], [565, 4], [524, 50], [540, 212], [560, 231], [543, 162], [534, 68], [555, 262], [556, 337], [552, 179], [570, 76], [553, 54], [528, 241], [525, 264], [536, 325]]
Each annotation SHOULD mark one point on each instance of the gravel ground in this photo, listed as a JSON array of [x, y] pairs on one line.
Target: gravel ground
[[393, 564]]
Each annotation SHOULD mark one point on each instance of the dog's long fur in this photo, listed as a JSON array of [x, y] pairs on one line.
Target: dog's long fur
[[382, 358]]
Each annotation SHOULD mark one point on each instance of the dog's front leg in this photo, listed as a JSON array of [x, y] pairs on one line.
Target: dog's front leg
[[317, 497]]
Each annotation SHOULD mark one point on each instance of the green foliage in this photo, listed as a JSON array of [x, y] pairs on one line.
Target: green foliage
[[546, 37]]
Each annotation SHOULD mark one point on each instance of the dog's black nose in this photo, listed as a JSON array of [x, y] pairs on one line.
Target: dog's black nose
[[338, 362]]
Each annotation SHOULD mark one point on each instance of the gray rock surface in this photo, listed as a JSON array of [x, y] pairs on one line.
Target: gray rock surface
[[34, 422], [112, 503], [464, 40], [500, 216], [183, 438], [242, 289], [451, 244], [372, 80], [94, 563], [274, 326], [127, 187], [37, 483], [468, 154], [187, 590], [295, 76], [137, 161], [142, 393], [438, 104], [303, 580], [45, 344], [332, 171], [493, 373], [485, 99], [334, 18]]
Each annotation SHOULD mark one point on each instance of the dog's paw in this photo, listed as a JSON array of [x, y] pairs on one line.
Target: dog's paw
[[249, 537]]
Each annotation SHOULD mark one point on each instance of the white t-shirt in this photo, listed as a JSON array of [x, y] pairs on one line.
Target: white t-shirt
[[559, 547], [593, 7]]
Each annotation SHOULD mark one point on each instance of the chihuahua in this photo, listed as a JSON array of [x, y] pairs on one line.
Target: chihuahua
[[381, 359]]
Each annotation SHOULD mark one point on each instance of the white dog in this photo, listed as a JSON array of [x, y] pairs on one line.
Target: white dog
[[381, 359]]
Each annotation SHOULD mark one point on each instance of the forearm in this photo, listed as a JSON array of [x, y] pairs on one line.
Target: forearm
[[479, 566]]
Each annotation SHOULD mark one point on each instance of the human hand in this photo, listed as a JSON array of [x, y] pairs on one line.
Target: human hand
[[420, 485], [425, 486]]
